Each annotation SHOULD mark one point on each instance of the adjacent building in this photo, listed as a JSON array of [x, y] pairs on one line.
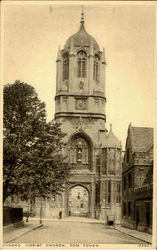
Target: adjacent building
[[137, 179]]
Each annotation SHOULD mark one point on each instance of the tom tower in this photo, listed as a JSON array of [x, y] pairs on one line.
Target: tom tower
[[94, 188]]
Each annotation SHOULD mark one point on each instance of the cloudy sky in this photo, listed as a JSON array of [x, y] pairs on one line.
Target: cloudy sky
[[32, 32]]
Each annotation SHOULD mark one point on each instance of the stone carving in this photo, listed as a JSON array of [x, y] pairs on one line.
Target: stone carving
[[79, 124], [80, 103], [102, 101], [81, 85], [64, 99], [79, 151], [58, 100], [96, 100]]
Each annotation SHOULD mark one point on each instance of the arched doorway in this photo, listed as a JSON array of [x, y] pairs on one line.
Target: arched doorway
[[78, 201]]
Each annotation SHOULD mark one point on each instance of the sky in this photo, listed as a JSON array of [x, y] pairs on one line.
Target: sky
[[32, 32]]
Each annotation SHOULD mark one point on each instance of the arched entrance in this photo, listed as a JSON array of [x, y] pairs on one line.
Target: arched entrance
[[78, 201]]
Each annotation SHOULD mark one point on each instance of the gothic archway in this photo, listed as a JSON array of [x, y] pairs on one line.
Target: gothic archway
[[78, 201]]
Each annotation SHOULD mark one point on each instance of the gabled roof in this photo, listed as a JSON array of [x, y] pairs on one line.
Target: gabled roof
[[141, 138]]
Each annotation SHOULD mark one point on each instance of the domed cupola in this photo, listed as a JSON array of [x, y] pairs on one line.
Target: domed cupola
[[112, 141], [81, 39]]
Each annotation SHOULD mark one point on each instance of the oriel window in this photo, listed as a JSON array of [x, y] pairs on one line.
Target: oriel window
[[82, 64], [96, 69], [66, 67]]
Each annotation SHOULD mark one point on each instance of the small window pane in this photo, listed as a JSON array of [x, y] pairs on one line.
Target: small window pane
[[82, 61]]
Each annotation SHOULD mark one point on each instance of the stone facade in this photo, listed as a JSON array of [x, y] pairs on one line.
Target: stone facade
[[137, 179], [94, 154]]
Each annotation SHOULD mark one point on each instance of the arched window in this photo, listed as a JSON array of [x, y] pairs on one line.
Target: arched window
[[82, 64], [65, 66], [96, 69]]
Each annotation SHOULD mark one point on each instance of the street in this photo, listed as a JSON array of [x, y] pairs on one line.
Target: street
[[69, 232]]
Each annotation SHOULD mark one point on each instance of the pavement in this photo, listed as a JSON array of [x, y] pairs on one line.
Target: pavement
[[135, 233], [33, 224], [15, 233]]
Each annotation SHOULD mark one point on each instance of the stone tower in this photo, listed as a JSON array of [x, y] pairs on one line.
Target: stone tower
[[80, 87], [80, 108]]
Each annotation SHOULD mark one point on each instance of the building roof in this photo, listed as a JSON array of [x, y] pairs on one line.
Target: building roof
[[81, 38], [111, 140], [141, 138]]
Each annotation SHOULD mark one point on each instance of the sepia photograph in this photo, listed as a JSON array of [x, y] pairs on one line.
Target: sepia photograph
[[78, 83]]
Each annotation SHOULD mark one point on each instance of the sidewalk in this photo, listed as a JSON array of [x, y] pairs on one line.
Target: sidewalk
[[134, 233], [14, 233]]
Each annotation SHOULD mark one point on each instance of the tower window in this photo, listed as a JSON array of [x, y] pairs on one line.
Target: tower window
[[82, 64], [66, 67], [96, 69]]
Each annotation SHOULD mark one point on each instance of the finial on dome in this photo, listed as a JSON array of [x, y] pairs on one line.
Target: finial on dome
[[82, 16], [110, 126]]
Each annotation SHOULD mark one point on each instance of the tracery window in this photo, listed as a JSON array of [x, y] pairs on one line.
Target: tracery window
[[96, 69], [79, 151], [65, 66], [82, 64]]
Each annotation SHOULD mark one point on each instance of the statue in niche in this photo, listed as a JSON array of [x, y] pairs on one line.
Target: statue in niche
[[81, 85], [79, 124], [79, 151]]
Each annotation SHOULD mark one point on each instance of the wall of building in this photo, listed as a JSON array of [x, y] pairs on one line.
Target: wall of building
[[137, 187]]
